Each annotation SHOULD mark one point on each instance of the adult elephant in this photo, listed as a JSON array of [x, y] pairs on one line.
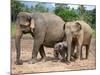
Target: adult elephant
[[78, 34], [47, 29]]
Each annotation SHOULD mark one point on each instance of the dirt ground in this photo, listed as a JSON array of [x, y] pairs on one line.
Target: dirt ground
[[49, 65]]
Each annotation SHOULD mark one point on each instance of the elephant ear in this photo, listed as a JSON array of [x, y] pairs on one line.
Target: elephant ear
[[78, 26], [32, 26]]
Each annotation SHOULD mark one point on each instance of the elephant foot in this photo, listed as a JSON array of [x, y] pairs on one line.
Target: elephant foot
[[43, 59], [68, 61], [82, 58], [75, 55], [32, 61], [55, 59], [63, 60], [20, 62], [86, 57], [72, 59]]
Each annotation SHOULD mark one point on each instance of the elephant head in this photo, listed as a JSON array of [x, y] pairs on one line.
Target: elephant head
[[72, 31], [25, 21]]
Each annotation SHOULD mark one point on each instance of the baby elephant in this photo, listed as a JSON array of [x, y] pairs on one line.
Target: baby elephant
[[60, 49]]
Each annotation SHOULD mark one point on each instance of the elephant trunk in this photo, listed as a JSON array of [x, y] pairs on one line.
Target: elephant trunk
[[69, 41], [17, 43]]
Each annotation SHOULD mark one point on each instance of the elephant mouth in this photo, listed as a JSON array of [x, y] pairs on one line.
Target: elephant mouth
[[26, 30]]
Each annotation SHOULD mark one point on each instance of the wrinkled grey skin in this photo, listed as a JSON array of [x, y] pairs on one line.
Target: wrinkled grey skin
[[60, 48], [47, 29], [79, 34]]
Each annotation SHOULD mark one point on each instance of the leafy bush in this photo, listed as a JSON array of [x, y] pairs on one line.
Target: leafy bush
[[66, 14]]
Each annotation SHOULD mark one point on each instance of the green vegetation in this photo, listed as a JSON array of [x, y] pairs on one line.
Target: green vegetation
[[88, 15], [81, 13], [65, 13], [94, 33], [16, 7], [40, 8]]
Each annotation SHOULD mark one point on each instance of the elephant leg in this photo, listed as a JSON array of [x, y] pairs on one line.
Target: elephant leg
[[73, 54], [69, 42], [79, 46], [87, 48], [42, 53], [35, 50], [78, 51], [87, 51], [56, 54], [41, 49], [73, 48], [69, 54], [81, 54], [38, 41], [17, 44], [73, 57], [62, 53]]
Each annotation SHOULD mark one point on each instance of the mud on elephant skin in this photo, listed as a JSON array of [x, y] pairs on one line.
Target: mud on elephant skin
[[78, 34], [46, 29]]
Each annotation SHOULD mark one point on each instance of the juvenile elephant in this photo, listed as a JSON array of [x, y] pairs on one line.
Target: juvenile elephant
[[47, 29], [78, 34], [61, 49]]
